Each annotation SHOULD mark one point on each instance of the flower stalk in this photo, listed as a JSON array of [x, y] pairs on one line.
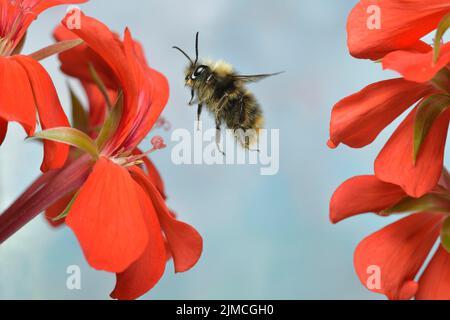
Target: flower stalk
[[45, 191]]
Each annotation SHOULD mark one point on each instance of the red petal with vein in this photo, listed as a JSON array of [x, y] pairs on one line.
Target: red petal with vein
[[398, 250], [105, 44], [40, 5], [51, 113], [363, 194], [18, 15], [16, 101], [403, 24], [145, 273], [57, 209], [152, 173], [185, 243], [107, 218], [138, 97], [418, 67], [97, 103], [435, 282], [358, 119], [3, 130], [395, 164], [136, 93], [75, 62]]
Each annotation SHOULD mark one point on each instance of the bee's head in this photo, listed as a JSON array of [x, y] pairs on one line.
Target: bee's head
[[195, 72]]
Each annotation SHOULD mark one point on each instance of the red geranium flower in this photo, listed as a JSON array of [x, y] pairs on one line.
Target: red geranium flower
[[413, 157], [118, 214], [26, 86], [358, 119], [400, 249], [402, 24]]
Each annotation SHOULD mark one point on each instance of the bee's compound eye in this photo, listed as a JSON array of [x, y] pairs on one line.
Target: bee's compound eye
[[199, 71]]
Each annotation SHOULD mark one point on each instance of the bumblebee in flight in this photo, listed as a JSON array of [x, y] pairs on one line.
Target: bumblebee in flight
[[223, 91]]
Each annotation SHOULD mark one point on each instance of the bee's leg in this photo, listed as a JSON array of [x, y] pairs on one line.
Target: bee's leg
[[242, 119], [242, 115], [239, 134], [222, 101], [218, 136], [192, 97], [199, 113]]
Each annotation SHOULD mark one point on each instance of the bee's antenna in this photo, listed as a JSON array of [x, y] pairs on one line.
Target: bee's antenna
[[184, 53], [196, 48]]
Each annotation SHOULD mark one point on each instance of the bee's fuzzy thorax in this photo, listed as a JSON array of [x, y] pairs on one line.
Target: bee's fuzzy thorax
[[220, 67]]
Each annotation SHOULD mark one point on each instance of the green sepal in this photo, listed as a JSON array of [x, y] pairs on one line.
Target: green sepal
[[427, 112], [55, 49], [101, 86], [432, 202], [111, 124], [79, 115], [70, 136], [445, 234], [66, 211], [444, 25]]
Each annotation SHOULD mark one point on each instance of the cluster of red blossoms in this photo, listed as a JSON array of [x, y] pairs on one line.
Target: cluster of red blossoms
[[94, 177], [410, 177]]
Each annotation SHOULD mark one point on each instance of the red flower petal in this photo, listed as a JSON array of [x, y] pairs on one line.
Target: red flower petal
[[403, 24], [3, 130], [184, 241], [41, 5], [152, 173], [16, 101], [435, 282], [75, 62], [418, 67], [358, 119], [395, 164], [398, 251], [29, 10], [51, 113], [107, 218], [97, 103], [144, 273], [104, 44], [363, 194]]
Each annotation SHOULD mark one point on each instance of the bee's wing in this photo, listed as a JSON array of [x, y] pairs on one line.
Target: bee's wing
[[256, 77]]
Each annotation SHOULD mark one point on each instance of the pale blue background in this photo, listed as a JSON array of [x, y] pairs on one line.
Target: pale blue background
[[264, 237]]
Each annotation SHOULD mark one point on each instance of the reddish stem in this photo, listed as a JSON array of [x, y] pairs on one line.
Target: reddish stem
[[44, 192]]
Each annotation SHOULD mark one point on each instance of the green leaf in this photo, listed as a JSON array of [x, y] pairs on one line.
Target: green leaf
[[79, 114], [444, 25], [432, 202], [111, 124], [101, 86], [66, 211], [445, 234], [70, 136], [427, 112], [55, 49]]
